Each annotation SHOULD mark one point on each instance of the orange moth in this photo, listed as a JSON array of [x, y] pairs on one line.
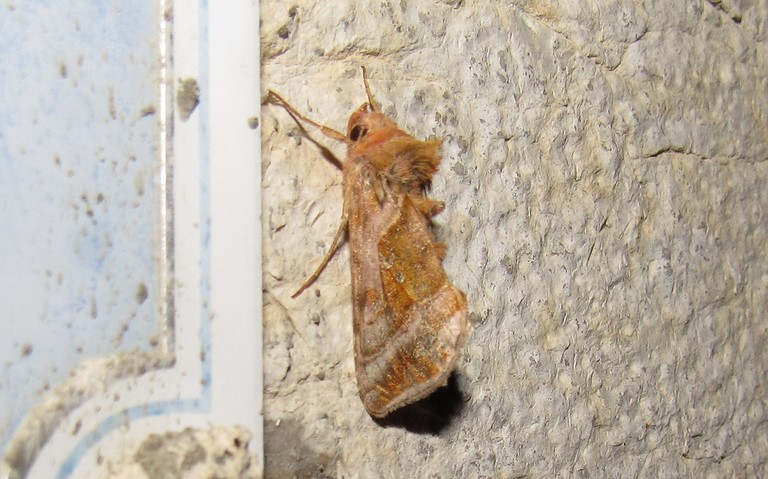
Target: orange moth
[[409, 320]]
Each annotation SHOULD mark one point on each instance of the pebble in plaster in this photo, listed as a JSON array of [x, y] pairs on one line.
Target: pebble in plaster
[[193, 453]]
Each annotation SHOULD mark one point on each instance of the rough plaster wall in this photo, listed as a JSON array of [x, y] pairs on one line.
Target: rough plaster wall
[[604, 170]]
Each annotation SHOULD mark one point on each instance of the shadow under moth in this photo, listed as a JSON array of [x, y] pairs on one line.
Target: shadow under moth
[[409, 320]]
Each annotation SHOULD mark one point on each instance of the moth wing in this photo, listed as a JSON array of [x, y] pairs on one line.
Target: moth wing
[[409, 320]]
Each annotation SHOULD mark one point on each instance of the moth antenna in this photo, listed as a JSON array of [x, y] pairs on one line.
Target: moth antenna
[[338, 240], [368, 93]]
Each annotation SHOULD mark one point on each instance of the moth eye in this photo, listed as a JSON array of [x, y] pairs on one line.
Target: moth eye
[[357, 132]]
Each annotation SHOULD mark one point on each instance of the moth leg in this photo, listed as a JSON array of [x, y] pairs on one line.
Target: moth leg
[[440, 249], [338, 240], [379, 189], [276, 99], [427, 207]]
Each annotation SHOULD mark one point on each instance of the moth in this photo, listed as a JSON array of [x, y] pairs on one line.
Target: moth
[[409, 321]]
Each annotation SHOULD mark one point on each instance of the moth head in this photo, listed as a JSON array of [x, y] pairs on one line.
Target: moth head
[[366, 121]]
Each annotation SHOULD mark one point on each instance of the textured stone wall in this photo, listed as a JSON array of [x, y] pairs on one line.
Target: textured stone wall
[[604, 171]]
